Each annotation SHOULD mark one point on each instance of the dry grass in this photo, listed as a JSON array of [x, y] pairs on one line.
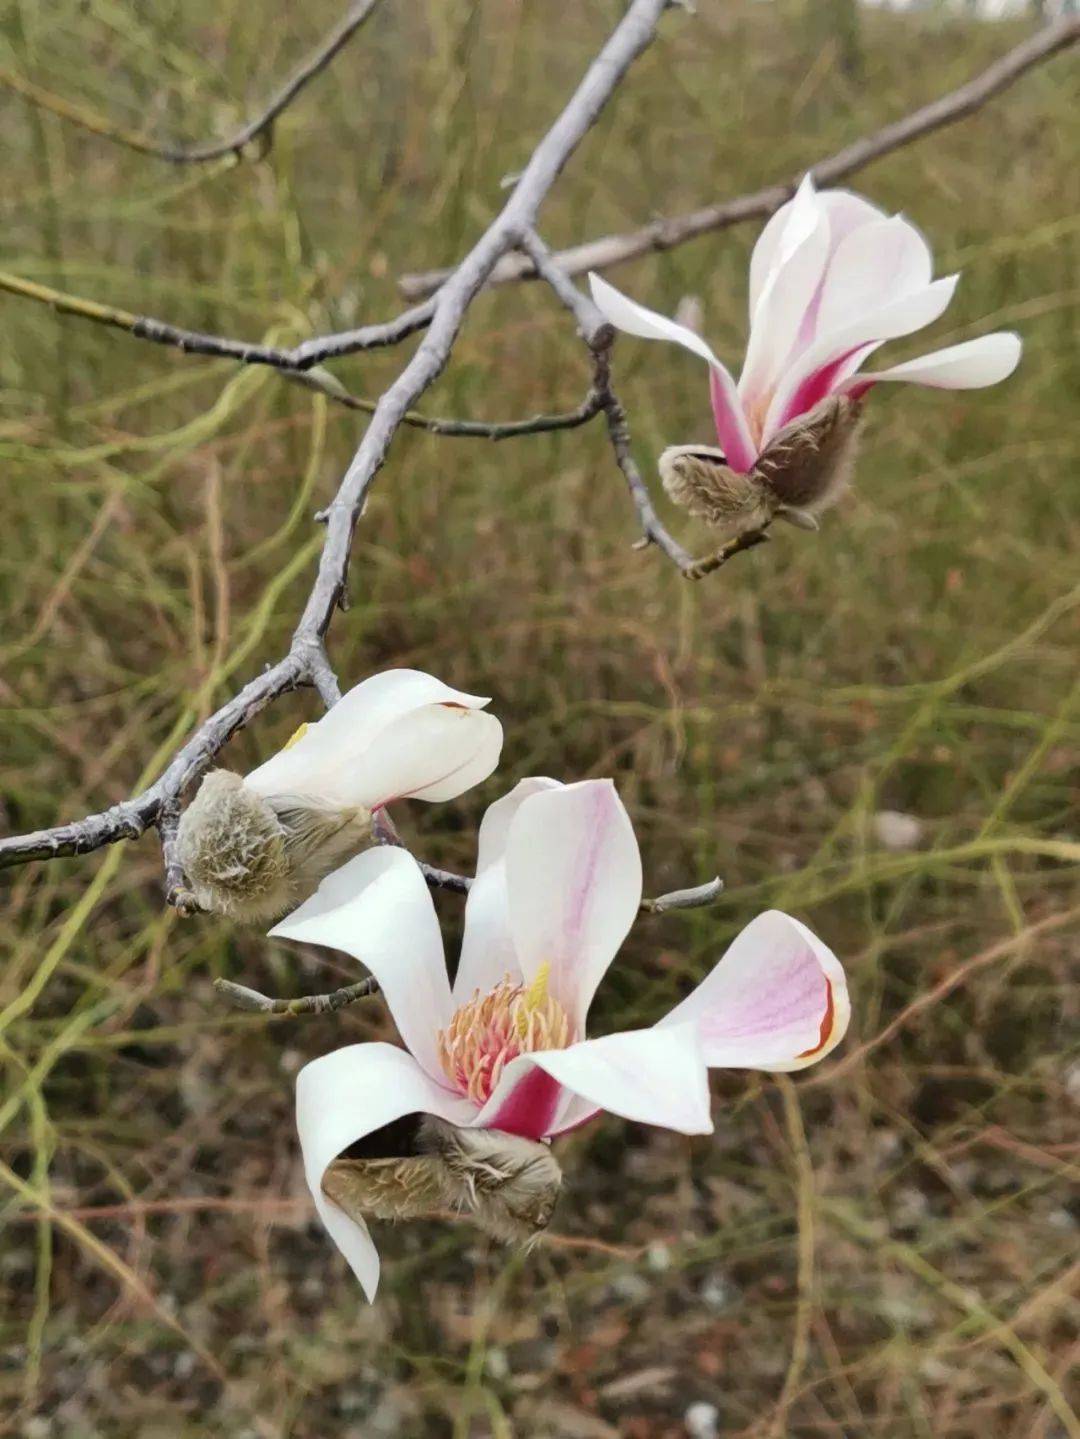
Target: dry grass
[[886, 1248]]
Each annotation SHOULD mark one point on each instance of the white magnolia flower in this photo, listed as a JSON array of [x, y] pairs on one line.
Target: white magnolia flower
[[504, 1049], [253, 846], [831, 279]]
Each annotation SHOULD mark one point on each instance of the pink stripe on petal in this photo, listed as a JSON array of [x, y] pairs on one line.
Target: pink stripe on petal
[[798, 988], [857, 388], [817, 387], [777, 1000], [529, 1108], [731, 426]]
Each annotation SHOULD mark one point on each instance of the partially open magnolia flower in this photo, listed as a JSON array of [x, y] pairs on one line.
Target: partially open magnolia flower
[[831, 279], [499, 1062], [253, 846]]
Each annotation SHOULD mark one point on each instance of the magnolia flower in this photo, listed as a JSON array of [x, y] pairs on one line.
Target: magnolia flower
[[831, 279], [500, 1059], [252, 846]]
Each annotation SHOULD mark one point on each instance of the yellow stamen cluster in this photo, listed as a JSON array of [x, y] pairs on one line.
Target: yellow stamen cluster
[[492, 1029]]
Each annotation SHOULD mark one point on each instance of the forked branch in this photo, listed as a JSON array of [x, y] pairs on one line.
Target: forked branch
[[306, 662]]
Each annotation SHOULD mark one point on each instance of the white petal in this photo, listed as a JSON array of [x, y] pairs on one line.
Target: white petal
[[345, 1096], [634, 319], [650, 1076], [846, 212], [877, 263], [887, 322], [487, 950], [378, 909], [783, 318], [573, 873], [777, 1000], [970, 366], [434, 753], [783, 232], [322, 761]]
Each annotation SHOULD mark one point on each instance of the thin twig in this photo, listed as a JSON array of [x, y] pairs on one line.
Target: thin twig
[[305, 662], [711, 563], [195, 342], [696, 898], [386, 833], [177, 893], [260, 125], [254, 1002], [600, 337], [301, 363], [665, 234]]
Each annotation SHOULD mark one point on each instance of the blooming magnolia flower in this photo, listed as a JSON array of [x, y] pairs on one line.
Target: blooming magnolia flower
[[831, 279], [503, 1051], [252, 846]]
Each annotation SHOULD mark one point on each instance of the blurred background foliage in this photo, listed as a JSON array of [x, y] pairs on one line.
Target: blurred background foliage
[[163, 1276]]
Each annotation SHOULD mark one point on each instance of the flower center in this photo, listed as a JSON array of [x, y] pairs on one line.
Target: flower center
[[492, 1029]]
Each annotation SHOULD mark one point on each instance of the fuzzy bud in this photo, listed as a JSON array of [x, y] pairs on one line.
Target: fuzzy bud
[[804, 469], [508, 1185], [252, 857]]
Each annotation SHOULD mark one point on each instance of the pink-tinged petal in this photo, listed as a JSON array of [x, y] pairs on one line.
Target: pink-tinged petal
[[970, 366], [782, 317], [378, 909], [573, 873], [525, 1101], [634, 319], [732, 430], [328, 761], [822, 383], [777, 1000], [887, 322], [342, 1098], [651, 1076], [487, 949], [846, 212]]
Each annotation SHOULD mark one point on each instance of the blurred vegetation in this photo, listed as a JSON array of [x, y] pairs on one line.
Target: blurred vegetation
[[162, 1274]]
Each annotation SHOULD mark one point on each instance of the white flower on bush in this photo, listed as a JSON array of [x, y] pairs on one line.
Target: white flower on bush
[[252, 846], [832, 278], [499, 1062]]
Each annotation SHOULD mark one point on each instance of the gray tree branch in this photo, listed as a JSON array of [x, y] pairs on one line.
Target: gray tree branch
[[306, 662], [665, 234]]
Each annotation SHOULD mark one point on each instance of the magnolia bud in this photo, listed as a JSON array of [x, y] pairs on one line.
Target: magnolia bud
[[803, 470], [508, 1185], [251, 856]]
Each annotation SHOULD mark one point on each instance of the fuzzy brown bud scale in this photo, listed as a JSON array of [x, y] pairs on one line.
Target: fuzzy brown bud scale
[[507, 1185], [252, 857], [805, 469]]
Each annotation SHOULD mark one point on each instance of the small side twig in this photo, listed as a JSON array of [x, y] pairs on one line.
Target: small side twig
[[177, 894], [696, 898], [260, 126], [749, 541], [301, 364], [255, 1003], [600, 338]]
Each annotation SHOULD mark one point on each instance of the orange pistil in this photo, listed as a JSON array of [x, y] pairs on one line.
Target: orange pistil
[[492, 1029]]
